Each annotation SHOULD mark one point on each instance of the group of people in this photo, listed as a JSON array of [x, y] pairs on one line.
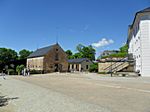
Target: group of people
[[26, 72], [3, 74]]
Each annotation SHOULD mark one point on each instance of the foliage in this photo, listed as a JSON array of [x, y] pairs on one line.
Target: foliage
[[94, 67], [19, 68], [118, 55], [69, 54], [7, 55], [102, 73], [80, 47], [124, 49], [77, 55], [121, 54], [23, 54], [86, 52], [9, 58], [36, 72], [11, 72], [82, 52]]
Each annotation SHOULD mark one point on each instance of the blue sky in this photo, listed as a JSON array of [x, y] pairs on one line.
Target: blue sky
[[32, 24]]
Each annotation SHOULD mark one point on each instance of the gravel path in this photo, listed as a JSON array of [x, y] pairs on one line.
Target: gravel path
[[26, 97], [72, 92]]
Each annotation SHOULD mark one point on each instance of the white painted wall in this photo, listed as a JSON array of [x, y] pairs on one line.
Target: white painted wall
[[139, 45], [145, 46]]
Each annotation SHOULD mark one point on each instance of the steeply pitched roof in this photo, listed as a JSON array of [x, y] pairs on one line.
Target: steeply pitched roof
[[79, 60], [41, 51], [131, 26], [145, 10], [142, 11]]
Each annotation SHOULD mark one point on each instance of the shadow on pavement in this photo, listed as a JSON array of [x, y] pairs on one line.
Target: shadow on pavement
[[4, 100]]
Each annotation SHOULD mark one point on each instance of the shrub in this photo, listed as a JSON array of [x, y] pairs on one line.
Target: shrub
[[19, 68], [118, 55], [93, 67], [36, 72], [11, 72], [102, 72]]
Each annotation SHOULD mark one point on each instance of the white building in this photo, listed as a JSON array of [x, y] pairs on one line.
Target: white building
[[139, 41]]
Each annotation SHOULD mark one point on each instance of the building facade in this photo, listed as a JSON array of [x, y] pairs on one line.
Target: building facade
[[139, 41], [81, 64], [108, 52], [48, 59]]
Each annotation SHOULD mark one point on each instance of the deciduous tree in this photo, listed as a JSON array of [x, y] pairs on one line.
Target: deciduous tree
[[23, 54], [7, 55]]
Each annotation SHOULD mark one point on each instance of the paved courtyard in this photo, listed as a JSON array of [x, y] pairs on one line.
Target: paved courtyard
[[75, 93]]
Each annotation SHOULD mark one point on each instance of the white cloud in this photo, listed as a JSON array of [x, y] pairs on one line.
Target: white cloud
[[103, 42]]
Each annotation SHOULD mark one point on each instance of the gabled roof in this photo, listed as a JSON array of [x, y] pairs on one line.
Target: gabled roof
[[131, 26], [41, 52], [145, 10], [79, 60], [142, 11]]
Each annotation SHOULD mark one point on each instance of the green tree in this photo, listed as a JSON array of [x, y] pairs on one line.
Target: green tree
[[94, 67], [77, 55], [7, 55], [23, 54], [19, 68], [121, 54], [80, 47], [124, 49], [69, 54], [86, 52]]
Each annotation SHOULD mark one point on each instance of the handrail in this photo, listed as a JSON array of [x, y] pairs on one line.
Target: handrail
[[115, 63], [119, 65]]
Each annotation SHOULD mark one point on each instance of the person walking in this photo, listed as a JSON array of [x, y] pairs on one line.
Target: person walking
[[3, 74], [24, 72], [28, 71]]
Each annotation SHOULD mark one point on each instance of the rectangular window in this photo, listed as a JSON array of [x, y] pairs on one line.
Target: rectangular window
[[87, 66]]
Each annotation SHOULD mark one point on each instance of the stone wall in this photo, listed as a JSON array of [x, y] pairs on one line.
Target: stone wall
[[84, 65], [55, 56]]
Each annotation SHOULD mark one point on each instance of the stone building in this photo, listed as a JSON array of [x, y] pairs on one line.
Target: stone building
[[81, 64], [48, 59]]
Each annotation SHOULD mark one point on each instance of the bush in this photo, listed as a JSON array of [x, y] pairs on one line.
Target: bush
[[19, 68], [118, 55], [36, 72], [102, 72], [93, 67], [11, 72], [123, 52]]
